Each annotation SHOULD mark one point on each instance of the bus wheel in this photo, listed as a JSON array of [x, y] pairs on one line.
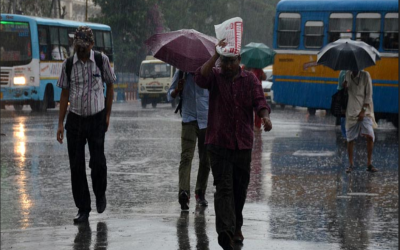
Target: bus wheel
[[143, 103], [282, 106], [311, 111], [34, 106], [41, 106], [154, 104], [18, 107]]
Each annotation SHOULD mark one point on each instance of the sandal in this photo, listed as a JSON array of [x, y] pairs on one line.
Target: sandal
[[349, 169], [372, 169]]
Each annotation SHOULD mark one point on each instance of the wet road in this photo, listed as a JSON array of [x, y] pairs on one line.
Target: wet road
[[299, 196]]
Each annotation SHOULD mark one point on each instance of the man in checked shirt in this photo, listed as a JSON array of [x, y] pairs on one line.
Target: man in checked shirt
[[234, 94], [87, 120]]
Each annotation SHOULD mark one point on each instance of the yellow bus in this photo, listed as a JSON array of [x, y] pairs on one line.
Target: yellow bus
[[303, 27]]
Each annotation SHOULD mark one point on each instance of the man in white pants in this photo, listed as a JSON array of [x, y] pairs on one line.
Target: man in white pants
[[360, 119]]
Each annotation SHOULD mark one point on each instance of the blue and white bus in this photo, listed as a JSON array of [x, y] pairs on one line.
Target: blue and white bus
[[32, 50], [303, 27]]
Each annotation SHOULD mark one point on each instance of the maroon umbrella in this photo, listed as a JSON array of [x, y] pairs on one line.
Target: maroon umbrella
[[185, 49]]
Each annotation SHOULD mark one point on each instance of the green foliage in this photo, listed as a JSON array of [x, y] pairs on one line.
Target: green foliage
[[195, 14], [257, 16], [134, 21], [28, 7]]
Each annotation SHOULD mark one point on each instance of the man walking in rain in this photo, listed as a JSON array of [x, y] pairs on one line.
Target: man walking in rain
[[234, 93], [81, 81], [360, 118], [194, 111]]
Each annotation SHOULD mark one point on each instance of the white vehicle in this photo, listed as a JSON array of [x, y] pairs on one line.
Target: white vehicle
[[267, 86], [155, 77]]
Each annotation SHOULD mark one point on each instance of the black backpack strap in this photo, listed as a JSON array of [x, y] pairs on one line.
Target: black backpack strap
[[99, 63], [68, 67], [179, 107]]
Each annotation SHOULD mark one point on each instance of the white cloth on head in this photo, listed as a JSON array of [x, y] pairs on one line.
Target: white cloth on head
[[231, 30]]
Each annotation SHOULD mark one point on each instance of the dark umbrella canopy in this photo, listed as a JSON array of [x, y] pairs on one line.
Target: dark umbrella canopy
[[345, 54], [185, 49], [257, 55]]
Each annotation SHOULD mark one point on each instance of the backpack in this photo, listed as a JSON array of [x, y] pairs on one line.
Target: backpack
[[339, 103], [179, 108], [97, 58]]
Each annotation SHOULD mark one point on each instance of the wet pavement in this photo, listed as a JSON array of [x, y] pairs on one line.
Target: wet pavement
[[299, 195]]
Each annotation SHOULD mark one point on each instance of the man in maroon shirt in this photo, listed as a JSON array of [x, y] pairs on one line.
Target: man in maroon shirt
[[234, 94]]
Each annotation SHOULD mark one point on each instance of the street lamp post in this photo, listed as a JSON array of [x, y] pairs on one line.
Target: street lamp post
[[86, 11]]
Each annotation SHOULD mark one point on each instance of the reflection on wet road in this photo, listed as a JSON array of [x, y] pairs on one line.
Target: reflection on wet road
[[299, 196], [83, 239]]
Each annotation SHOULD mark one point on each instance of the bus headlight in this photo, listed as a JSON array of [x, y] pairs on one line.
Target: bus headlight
[[142, 88], [166, 88], [19, 80]]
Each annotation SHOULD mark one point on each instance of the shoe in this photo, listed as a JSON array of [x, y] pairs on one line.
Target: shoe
[[201, 200], [81, 217], [238, 237], [184, 200], [101, 204], [349, 169], [225, 241], [372, 169]]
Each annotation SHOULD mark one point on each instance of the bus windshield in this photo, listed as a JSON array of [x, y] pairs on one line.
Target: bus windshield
[[154, 70], [15, 43]]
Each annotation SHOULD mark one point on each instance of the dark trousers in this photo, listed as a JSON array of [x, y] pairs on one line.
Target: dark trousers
[[231, 171], [79, 131], [189, 136]]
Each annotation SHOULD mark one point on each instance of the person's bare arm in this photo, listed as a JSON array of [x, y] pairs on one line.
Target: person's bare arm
[[207, 67], [178, 89], [109, 99], [263, 76], [63, 110], [265, 120]]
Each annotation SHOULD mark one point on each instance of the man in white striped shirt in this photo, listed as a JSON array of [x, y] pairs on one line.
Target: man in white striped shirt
[[88, 119]]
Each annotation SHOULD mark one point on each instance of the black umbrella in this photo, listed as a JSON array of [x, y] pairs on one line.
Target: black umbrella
[[345, 54]]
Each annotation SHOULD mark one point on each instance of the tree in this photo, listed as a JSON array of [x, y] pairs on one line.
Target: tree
[[27, 7], [257, 16], [132, 22], [198, 15]]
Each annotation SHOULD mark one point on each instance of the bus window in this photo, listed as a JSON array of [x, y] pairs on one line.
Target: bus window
[[99, 42], [391, 40], [313, 34], [108, 45], [368, 28], [15, 43], [43, 44], [289, 30], [155, 70], [71, 34], [58, 52], [64, 41], [340, 26]]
